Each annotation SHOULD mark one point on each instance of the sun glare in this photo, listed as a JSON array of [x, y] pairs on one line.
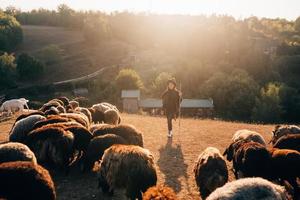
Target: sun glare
[[238, 8]]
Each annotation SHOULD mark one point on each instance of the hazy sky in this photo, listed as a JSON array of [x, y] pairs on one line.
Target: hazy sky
[[289, 9]]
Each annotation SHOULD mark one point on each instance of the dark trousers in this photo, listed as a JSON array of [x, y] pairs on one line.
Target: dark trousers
[[169, 120]]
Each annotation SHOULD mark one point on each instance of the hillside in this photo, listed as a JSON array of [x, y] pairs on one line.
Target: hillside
[[79, 57], [174, 158]]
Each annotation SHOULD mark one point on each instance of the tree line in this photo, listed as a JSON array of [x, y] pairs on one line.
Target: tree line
[[250, 67]]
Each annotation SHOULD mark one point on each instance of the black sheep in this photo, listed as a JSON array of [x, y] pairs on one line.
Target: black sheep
[[249, 158], [52, 119], [22, 116], [97, 115], [96, 149], [25, 180], [128, 132], [65, 100], [290, 141], [48, 105], [82, 137], [52, 145]]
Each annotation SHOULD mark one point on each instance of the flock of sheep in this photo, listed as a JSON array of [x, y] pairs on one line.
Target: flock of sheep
[[62, 135], [251, 157]]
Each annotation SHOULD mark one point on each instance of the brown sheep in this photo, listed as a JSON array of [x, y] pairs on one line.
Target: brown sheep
[[97, 115], [210, 171], [284, 130], [25, 180], [128, 132], [159, 193], [78, 117], [86, 112], [14, 151], [58, 101], [127, 167], [74, 104], [285, 165], [61, 109], [111, 117], [96, 149]]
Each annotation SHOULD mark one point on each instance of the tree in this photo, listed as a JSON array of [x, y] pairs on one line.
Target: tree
[[10, 32], [233, 94], [128, 79], [66, 15], [160, 83], [297, 24], [28, 67], [7, 71], [96, 29], [50, 54], [290, 103], [267, 107]]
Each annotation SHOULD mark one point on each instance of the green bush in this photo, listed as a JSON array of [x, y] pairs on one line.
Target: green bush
[[7, 71], [297, 24], [233, 94], [50, 54], [160, 84], [10, 32], [267, 107], [128, 79], [28, 67], [96, 29]]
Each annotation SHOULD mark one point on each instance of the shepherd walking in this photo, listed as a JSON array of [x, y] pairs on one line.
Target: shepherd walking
[[171, 99]]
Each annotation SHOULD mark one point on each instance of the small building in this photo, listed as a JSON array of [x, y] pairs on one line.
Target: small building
[[197, 108], [151, 106], [189, 107], [130, 100]]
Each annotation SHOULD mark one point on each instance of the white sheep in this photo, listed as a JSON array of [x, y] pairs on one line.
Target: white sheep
[[14, 105], [210, 171], [247, 135], [249, 189], [104, 106]]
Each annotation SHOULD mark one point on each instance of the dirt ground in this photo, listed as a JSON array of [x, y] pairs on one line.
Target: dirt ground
[[174, 157]]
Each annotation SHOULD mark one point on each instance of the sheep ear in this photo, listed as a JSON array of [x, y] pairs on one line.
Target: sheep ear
[[225, 152], [229, 152]]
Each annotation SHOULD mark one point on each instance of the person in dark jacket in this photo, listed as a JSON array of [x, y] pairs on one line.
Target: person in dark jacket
[[171, 99]]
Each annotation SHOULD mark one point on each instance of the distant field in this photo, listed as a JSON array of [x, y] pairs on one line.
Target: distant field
[[79, 57], [37, 37], [174, 158]]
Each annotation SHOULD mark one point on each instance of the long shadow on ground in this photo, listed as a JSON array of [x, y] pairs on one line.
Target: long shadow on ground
[[171, 164]]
